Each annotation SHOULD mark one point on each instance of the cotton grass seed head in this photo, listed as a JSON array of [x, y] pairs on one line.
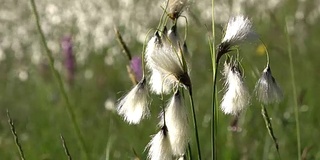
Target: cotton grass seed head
[[176, 119], [239, 29], [166, 59], [134, 106], [159, 146], [236, 97], [153, 47], [267, 90], [159, 84], [176, 7]]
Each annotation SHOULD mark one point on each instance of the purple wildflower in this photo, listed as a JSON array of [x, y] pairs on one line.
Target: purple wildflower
[[136, 67], [69, 60]]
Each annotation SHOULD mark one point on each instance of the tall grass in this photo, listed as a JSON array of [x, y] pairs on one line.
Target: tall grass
[[294, 90], [15, 136], [214, 109], [194, 117], [246, 146], [61, 86], [268, 123], [65, 147]]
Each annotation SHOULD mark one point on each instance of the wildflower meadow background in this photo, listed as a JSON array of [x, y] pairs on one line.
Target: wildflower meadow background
[[93, 67]]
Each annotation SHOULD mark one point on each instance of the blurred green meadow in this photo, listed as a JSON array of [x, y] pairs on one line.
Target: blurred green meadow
[[29, 91]]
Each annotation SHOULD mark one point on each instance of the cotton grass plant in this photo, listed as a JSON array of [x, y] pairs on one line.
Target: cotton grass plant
[[167, 60], [169, 72], [237, 96], [164, 68], [268, 92]]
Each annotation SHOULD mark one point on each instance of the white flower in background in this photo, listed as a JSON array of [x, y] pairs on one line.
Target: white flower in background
[[159, 146], [267, 89], [109, 105], [176, 119], [237, 96], [134, 106]]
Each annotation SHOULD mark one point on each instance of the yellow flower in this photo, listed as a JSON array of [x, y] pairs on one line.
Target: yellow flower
[[261, 50]]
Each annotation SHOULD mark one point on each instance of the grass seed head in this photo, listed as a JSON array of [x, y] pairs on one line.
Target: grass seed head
[[159, 146], [134, 106], [177, 124], [267, 90], [239, 29], [236, 97], [166, 60], [176, 7]]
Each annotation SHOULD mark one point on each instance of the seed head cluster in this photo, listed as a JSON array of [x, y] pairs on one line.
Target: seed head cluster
[[168, 62], [237, 96]]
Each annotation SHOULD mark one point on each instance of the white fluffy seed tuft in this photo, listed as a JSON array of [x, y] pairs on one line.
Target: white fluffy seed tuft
[[237, 96], [267, 90], [176, 119], [158, 83], [238, 29], [165, 62], [134, 106], [159, 146]]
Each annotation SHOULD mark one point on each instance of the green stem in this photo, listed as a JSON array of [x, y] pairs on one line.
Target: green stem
[[185, 29], [122, 43], [214, 109], [15, 136], [296, 109], [214, 120], [190, 152], [267, 53], [162, 16], [267, 142], [268, 123], [62, 89], [195, 123], [65, 147]]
